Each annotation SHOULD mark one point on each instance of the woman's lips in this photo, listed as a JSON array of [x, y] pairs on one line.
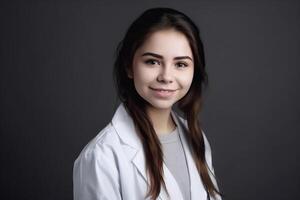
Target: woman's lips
[[163, 89], [163, 93]]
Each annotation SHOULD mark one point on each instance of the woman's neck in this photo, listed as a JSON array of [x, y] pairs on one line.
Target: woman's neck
[[162, 120]]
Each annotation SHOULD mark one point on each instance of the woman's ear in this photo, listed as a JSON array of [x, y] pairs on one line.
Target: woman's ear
[[129, 73]]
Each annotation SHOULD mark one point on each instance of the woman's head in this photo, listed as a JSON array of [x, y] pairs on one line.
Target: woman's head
[[160, 32], [163, 61]]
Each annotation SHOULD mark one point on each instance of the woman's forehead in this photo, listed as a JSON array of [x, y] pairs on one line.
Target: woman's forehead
[[169, 43]]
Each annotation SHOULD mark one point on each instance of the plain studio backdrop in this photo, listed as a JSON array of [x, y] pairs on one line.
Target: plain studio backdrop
[[57, 91]]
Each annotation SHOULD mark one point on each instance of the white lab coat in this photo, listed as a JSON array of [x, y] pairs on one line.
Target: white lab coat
[[112, 165]]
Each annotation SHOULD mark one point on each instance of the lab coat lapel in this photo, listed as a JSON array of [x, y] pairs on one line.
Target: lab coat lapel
[[171, 184], [197, 188], [124, 126], [170, 181]]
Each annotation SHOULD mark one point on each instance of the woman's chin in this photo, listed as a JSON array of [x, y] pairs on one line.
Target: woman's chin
[[162, 105]]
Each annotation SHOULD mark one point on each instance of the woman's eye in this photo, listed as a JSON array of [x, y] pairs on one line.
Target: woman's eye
[[182, 64], [151, 62]]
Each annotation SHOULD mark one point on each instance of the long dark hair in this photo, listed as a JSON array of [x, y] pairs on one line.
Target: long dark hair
[[149, 21]]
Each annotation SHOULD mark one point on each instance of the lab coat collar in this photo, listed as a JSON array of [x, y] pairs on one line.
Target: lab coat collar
[[124, 126]]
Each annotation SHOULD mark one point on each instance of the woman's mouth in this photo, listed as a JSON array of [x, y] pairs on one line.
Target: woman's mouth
[[163, 93]]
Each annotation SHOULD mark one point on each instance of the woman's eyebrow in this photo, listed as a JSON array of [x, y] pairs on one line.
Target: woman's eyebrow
[[161, 57]]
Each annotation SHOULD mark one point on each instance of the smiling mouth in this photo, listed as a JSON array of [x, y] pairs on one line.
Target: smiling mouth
[[162, 90], [163, 93]]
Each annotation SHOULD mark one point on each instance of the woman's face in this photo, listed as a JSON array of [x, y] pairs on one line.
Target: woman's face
[[163, 68]]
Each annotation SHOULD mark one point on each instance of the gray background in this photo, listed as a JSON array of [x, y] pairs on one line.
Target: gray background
[[57, 93]]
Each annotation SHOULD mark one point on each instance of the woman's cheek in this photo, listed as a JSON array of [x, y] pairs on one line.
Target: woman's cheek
[[147, 74], [186, 80]]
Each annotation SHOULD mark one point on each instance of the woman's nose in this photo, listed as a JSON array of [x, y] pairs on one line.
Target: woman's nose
[[165, 75]]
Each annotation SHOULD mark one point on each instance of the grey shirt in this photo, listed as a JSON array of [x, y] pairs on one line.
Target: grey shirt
[[175, 160]]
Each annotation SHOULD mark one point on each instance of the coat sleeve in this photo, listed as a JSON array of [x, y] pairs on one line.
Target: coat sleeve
[[95, 175], [208, 157]]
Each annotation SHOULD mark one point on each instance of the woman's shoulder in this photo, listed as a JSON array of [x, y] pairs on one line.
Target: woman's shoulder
[[95, 170], [105, 142]]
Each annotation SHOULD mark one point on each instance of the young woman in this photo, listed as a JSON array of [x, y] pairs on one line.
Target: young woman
[[159, 63]]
